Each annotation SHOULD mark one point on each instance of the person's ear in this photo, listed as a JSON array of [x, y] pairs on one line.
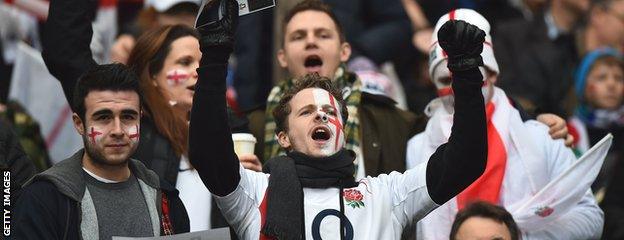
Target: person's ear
[[281, 58], [345, 51], [78, 124], [283, 140]]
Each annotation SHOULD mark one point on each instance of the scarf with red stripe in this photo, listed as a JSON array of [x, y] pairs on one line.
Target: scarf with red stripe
[[504, 129]]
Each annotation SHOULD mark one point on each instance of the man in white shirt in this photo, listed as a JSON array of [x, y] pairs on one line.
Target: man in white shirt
[[311, 192]]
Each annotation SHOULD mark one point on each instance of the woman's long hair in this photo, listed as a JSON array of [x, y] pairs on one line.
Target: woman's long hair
[[147, 59]]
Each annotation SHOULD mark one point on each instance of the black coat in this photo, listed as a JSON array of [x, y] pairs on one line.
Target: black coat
[[56, 216], [535, 70], [50, 205], [156, 152], [13, 158]]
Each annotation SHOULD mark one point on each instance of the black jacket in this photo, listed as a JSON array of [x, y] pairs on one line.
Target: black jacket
[[156, 152], [613, 204], [50, 206], [535, 70], [13, 158]]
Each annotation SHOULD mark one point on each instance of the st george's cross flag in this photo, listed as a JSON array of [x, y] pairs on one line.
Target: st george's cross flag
[[42, 97], [564, 191]]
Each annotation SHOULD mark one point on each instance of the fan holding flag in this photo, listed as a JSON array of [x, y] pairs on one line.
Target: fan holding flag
[[524, 162]]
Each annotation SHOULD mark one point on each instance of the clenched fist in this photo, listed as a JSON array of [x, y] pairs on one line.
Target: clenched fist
[[463, 43], [216, 24]]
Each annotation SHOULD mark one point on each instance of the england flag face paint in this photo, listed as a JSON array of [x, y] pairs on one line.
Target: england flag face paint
[[177, 77], [133, 133], [95, 135], [328, 111]]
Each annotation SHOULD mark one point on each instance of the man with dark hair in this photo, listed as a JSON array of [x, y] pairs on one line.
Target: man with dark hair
[[376, 130], [311, 192], [101, 192], [481, 220]]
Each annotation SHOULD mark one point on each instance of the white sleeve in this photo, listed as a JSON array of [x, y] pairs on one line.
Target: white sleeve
[[410, 198], [241, 207], [586, 219], [413, 151]]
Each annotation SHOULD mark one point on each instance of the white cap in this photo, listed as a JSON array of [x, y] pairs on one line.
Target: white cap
[[164, 5], [436, 54]]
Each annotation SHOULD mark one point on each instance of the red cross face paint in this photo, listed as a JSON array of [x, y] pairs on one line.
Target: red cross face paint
[[95, 135], [133, 133], [315, 125], [330, 116], [111, 118], [177, 77]]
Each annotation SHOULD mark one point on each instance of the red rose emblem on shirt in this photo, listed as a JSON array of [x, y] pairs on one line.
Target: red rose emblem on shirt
[[353, 197], [544, 211]]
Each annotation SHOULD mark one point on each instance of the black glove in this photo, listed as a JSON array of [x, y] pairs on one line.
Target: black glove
[[216, 24], [463, 43]]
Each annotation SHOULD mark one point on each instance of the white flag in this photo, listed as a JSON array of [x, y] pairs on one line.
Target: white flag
[[564, 191], [42, 97]]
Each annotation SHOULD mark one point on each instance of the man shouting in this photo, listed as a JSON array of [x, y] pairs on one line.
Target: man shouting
[[311, 192]]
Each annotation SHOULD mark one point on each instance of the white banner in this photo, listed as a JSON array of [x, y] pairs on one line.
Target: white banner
[[564, 191], [42, 97]]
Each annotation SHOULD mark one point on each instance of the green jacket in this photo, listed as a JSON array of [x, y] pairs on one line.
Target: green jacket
[[28, 133]]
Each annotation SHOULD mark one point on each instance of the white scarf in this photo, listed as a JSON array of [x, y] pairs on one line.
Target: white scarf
[[507, 121]]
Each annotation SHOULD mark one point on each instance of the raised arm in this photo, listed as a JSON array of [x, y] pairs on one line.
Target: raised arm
[[66, 40], [458, 163], [211, 149]]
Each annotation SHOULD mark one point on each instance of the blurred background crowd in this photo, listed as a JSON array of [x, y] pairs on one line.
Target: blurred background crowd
[[555, 56]]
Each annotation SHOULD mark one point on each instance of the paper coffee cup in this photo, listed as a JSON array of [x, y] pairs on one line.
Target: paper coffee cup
[[244, 143]]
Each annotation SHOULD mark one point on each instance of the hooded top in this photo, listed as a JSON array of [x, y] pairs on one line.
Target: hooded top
[[597, 118], [68, 178]]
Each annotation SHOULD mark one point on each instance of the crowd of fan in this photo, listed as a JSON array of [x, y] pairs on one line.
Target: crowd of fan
[[556, 64]]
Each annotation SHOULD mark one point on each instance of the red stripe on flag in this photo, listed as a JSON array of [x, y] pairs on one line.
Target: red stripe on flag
[[58, 126], [487, 187]]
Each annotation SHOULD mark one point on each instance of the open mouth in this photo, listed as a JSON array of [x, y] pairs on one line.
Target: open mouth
[[313, 63], [321, 134]]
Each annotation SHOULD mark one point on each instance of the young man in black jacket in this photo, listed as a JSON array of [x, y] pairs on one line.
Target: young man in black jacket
[[101, 192], [315, 179]]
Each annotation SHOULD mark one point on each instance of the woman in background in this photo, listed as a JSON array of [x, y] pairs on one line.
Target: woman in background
[[165, 60]]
